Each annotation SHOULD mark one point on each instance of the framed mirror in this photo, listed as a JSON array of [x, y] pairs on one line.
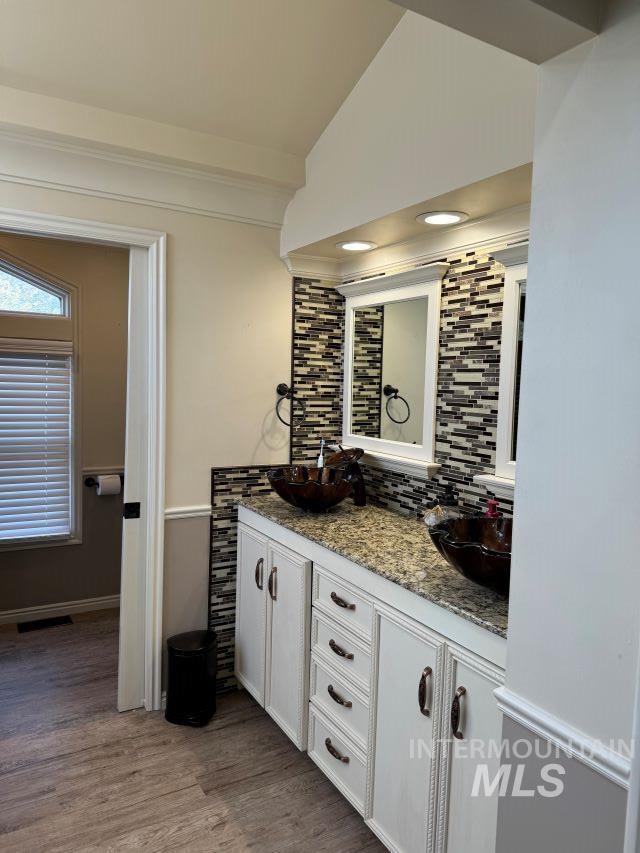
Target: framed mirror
[[391, 360]]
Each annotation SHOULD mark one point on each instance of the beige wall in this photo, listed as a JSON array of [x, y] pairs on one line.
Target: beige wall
[[99, 276], [228, 345]]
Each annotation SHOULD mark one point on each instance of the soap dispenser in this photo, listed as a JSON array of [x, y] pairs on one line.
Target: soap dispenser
[[443, 509]]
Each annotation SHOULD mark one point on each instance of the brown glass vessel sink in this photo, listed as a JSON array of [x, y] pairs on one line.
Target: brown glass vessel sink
[[479, 548], [309, 488]]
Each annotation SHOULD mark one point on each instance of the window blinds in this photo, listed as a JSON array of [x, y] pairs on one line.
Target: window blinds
[[36, 435]]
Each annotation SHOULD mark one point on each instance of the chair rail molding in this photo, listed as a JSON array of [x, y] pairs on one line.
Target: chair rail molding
[[573, 742], [196, 511]]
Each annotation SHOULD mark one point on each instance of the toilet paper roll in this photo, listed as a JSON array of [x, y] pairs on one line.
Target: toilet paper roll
[[109, 484]]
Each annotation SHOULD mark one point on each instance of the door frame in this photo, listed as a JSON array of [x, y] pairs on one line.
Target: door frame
[[140, 664]]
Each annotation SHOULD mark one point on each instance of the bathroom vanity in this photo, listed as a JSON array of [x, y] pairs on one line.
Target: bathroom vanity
[[374, 655]]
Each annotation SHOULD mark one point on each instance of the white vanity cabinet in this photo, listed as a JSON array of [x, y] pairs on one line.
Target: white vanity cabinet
[[385, 668], [272, 618]]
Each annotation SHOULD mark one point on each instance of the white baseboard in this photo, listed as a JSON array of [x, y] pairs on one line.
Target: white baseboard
[[61, 608], [575, 743]]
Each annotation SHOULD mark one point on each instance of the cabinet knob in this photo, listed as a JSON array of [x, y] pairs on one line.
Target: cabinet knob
[[338, 698], [258, 575], [333, 751], [338, 650], [455, 713], [341, 602], [271, 583], [422, 691]]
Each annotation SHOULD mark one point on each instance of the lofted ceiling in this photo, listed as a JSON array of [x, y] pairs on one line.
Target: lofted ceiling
[[271, 74], [483, 198]]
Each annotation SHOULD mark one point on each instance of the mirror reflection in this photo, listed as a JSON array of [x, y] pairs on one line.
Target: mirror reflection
[[388, 370]]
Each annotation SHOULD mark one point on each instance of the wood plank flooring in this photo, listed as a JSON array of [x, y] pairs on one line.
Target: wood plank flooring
[[77, 776]]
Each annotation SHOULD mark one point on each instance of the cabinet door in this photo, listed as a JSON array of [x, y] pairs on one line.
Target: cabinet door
[[468, 819], [288, 584], [406, 727], [251, 611]]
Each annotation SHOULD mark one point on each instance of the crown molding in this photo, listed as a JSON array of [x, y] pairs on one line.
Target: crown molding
[[310, 266], [416, 275], [495, 230], [513, 254], [33, 160]]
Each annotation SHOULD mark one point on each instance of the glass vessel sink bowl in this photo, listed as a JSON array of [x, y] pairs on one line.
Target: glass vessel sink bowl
[[309, 488], [479, 548]]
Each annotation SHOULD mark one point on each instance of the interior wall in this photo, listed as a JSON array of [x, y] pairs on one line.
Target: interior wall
[[580, 409], [434, 111], [228, 303], [32, 577]]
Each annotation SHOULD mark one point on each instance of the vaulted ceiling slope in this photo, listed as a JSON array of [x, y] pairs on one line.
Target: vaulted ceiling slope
[[268, 73]]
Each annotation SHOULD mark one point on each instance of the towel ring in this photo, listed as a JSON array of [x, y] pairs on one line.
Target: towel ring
[[391, 393], [286, 393]]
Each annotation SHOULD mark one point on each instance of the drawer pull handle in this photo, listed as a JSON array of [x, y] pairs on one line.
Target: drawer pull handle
[[338, 698], [271, 583], [341, 602], [339, 650], [455, 713], [258, 576], [422, 691], [333, 751]]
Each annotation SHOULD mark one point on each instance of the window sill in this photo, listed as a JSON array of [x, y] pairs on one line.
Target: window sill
[[500, 486], [22, 545]]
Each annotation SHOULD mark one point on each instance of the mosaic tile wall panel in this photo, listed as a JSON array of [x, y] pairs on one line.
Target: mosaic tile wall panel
[[228, 485], [368, 332], [467, 408], [317, 357]]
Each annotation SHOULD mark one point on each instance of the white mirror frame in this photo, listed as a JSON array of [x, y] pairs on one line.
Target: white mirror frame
[[411, 284]]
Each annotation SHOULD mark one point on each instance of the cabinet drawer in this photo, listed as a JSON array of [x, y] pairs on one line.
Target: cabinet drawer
[[340, 702], [341, 651], [342, 603], [338, 758]]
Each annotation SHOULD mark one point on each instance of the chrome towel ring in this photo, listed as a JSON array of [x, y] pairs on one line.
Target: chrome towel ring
[[286, 393], [391, 393]]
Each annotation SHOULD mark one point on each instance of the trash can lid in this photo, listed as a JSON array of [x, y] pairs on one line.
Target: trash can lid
[[192, 641]]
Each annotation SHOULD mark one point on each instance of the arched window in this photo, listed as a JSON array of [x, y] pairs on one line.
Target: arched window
[[24, 293]]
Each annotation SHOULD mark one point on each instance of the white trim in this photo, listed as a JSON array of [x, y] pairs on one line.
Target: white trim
[[60, 608], [515, 275], [387, 462], [68, 167], [411, 284], [501, 487], [102, 469], [513, 254], [573, 742], [154, 242], [309, 266], [417, 275], [199, 511], [495, 230]]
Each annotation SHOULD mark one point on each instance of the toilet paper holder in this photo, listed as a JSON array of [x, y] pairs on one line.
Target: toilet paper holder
[[90, 482]]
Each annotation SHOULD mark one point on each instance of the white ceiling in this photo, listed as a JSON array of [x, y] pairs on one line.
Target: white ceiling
[[271, 73], [483, 198]]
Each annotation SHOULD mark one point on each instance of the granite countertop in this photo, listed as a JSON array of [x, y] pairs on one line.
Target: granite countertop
[[394, 546]]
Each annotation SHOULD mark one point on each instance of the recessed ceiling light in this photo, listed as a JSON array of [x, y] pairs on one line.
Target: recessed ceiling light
[[442, 217], [356, 245]]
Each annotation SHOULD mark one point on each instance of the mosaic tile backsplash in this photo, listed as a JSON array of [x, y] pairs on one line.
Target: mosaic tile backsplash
[[466, 416]]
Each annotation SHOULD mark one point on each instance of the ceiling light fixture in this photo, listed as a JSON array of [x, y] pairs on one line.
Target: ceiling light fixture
[[356, 245], [442, 217]]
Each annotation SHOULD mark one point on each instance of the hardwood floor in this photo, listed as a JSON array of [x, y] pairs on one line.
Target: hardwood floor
[[76, 775]]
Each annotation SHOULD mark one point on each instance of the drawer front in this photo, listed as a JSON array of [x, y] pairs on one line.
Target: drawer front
[[341, 651], [340, 702], [337, 757], [342, 603]]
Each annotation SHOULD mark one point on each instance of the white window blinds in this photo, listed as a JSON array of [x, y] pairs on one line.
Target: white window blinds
[[36, 436]]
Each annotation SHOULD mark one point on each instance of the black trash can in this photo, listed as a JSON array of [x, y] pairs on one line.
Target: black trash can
[[191, 678]]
